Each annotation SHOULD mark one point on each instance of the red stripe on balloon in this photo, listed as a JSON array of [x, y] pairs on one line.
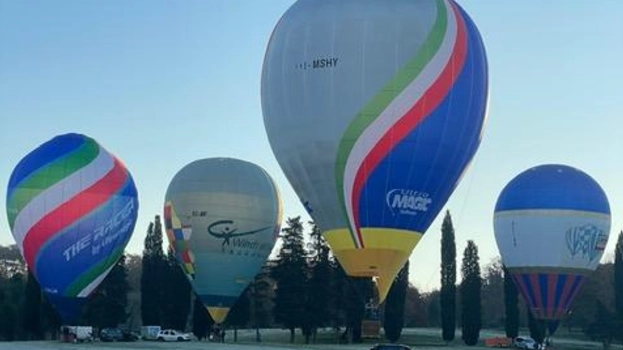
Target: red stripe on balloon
[[536, 288], [566, 292], [551, 295], [406, 124], [73, 210]]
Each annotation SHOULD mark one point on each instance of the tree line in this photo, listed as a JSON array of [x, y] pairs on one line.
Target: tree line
[[303, 287]]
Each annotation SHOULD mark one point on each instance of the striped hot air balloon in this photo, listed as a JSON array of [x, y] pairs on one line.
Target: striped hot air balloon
[[374, 109], [552, 224], [71, 206]]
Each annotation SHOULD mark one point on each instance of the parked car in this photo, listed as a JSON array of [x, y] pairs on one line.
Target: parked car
[[111, 334], [525, 343], [390, 347], [172, 335], [130, 336]]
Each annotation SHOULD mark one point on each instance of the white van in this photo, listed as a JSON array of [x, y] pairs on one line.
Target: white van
[[150, 332]]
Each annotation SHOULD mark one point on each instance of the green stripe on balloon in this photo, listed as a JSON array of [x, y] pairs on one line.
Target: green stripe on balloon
[[88, 277], [47, 176], [387, 94]]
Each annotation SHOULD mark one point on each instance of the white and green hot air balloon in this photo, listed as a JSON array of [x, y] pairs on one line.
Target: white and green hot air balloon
[[374, 109]]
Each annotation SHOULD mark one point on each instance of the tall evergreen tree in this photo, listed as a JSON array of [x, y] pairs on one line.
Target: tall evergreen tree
[[448, 279], [416, 311], [238, 316], [318, 306], [290, 275], [511, 298], [618, 284], [536, 327], [471, 286], [152, 276], [395, 305], [50, 318], [31, 309], [604, 326], [493, 294], [106, 307], [177, 293], [359, 291], [261, 303], [11, 291], [342, 299], [202, 322]]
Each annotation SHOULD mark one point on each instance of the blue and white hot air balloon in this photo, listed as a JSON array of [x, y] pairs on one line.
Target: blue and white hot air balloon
[[552, 224]]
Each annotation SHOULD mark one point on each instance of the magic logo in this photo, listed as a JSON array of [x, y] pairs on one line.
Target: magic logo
[[586, 241], [408, 202]]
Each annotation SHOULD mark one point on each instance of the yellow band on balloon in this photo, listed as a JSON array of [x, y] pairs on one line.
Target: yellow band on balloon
[[218, 313], [377, 238], [385, 252]]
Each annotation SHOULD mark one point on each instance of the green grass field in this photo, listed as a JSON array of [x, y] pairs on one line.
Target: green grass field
[[277, 339]]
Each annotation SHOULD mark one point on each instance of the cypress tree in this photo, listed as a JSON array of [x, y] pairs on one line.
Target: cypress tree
[[152, 277], [177, 293], [448, 279], [471, 286], [395, 305], [511, 297], [202, 321]]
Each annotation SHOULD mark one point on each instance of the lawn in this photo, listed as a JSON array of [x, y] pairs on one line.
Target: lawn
[[276, 339]]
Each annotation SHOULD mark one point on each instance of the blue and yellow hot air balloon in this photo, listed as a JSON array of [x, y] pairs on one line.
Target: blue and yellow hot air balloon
[[222, 217], [552, 224], [72, 207], [374, 109]]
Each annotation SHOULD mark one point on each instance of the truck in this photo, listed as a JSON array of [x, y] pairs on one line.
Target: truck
[[150, 332]]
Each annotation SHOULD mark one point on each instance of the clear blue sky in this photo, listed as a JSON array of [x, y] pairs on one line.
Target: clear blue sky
[[163, 83]]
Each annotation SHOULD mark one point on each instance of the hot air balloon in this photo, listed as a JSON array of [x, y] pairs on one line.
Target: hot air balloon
[[373, 110], [72, 207], [552, 224], [222, 217]]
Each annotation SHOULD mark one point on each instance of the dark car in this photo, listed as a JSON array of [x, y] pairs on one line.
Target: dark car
[[130, 336], [390, 347], [111, 334]]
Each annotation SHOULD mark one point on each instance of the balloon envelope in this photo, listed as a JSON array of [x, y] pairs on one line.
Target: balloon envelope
[[72, 207], [373, 110], [222, 217], [551, 224]]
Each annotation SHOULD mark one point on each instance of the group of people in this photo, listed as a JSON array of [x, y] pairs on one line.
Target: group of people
[[217, 333]]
